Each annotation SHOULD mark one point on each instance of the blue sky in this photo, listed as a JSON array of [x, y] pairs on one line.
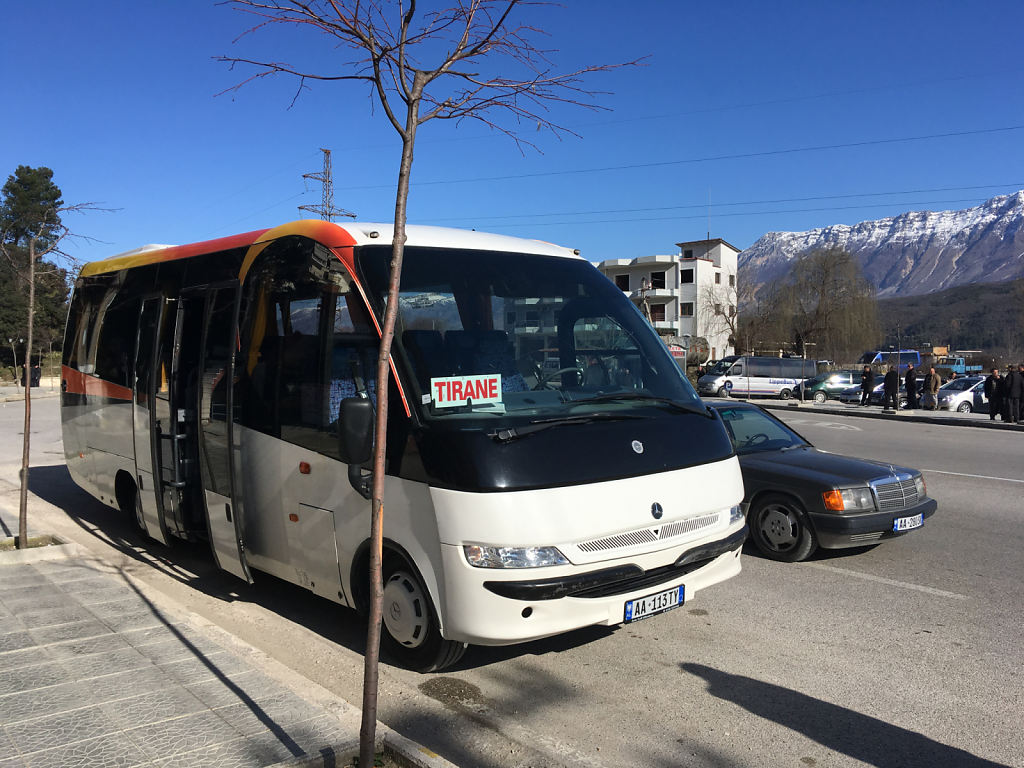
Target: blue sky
[[747, 117]]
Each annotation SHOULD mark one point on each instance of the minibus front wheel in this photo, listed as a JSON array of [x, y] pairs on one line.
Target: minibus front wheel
[[411, 629]]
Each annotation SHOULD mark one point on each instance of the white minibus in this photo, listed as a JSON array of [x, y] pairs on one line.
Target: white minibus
[[224, 392]]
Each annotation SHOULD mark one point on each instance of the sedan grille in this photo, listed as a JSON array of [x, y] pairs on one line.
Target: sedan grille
[[896, 493]]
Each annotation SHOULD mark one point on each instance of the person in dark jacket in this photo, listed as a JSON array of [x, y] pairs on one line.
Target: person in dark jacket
[[891, 383], [1014, 389], [910, 381], [994, 394], [867, 383]]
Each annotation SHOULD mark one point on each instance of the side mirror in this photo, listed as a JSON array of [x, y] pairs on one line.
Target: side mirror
[[355, 441], [355, 438]]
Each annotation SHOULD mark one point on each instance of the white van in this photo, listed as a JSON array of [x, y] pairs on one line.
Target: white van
[[756, 377]]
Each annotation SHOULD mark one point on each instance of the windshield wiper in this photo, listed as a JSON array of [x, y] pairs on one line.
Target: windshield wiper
[[674, 404], [538, 425]]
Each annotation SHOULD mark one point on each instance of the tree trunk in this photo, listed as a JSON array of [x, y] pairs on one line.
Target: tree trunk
[[23, 508], [368, 728]]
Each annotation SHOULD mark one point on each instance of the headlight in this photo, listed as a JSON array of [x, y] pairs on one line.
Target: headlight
[[922, 489], [848, 499], [513, 557], [736, 514]]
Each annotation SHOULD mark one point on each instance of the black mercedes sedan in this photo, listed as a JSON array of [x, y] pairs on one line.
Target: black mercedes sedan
[[799, 498]]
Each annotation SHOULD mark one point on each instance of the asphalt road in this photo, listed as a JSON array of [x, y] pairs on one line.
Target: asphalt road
[[908, 654]]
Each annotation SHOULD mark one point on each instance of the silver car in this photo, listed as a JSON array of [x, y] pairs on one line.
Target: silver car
[[964, 394]]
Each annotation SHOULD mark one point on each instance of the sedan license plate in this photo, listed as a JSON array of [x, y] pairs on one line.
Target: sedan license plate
[[642, 607], [907, 523]]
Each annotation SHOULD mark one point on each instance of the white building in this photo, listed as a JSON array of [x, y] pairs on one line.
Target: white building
[[692, 293]]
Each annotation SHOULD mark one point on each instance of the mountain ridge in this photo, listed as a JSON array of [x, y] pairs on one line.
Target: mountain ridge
[[914, 253]]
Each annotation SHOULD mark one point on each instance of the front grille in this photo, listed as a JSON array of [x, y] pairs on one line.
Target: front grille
[[897, 493], [650, 535]]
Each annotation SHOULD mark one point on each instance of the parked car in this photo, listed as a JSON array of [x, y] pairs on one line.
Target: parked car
[[799, 498], [877, 396], [964, 394], [828, 385]]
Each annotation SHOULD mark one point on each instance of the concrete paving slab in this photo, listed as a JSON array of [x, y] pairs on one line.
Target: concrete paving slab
[[95, 672]]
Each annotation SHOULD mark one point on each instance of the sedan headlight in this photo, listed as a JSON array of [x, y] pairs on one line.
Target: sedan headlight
[[480, 556], [848, 500], [922, 489]]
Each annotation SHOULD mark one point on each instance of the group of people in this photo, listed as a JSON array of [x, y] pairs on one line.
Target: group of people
[[928, 392], [1005, 394]]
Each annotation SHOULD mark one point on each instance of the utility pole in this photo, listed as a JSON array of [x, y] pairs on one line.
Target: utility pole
[[326, 209]]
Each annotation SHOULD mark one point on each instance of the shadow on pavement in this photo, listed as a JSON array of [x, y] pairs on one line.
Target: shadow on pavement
[[864, 738], [192, 564]]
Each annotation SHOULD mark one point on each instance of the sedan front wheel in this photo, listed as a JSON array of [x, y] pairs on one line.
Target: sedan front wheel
[[780, 529]]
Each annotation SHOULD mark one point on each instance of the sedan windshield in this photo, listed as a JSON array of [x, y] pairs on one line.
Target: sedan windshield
[[504, 339], [752, 430]]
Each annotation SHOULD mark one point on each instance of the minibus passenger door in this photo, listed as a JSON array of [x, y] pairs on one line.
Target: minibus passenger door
[[222, 506], [143, 419]]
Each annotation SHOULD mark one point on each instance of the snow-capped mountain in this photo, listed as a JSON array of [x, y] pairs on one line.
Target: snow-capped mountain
[[913, 253]]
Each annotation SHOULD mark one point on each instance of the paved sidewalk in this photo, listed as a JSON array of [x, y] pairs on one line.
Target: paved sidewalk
[[98, 670], [948, 418]]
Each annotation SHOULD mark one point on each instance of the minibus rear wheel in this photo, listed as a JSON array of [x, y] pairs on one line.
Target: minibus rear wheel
[[411, 629]]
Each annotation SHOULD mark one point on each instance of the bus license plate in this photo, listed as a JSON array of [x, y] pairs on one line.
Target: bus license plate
[[907, 523], [642, 607]]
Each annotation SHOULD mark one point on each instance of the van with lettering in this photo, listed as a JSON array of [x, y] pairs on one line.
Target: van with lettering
[[750, 376]]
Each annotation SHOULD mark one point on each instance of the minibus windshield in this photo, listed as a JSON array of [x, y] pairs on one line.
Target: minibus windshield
[[512, 337]]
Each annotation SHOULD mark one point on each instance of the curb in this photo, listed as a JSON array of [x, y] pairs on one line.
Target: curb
[[400, 750], [949, 421]]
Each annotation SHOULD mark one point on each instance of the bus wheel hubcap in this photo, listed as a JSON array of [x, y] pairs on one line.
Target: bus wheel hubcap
[[405, 610]]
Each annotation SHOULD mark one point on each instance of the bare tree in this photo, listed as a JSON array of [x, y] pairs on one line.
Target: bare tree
[[485, 68], [829, 303], [32, 229], [718, 309]]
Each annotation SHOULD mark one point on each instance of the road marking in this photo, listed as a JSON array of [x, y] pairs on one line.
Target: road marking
[[890, 582], [979, 477], [826, 424]]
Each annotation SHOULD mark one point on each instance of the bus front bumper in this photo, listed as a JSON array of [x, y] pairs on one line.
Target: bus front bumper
[[503, 612]]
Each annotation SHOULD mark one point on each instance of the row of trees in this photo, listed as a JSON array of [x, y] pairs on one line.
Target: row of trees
[[823, 308]]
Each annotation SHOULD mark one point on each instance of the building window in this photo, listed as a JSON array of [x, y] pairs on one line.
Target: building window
[[510, 319], [732, 281], [686, 309], [718, 309], [718, 278], [688, 253], [686, 276], [732, 311], [622, 282], [532, 318], [657, 280], [658, 313]]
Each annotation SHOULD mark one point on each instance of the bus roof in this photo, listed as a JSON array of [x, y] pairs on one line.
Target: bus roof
[[333, 235]]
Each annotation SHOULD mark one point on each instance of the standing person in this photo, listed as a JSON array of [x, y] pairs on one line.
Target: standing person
[[910, 381], [932, 382], [994, 394], [891, 382], [867, 383], [1014, 388]]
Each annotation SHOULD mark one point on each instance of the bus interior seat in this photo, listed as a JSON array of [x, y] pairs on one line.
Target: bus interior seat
[[429, 355]]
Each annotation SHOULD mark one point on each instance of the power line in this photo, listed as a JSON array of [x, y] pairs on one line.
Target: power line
[[709, 158], [738, 213], [1014, 185]]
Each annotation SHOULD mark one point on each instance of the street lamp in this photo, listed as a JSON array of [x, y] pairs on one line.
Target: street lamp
[[803, 370]]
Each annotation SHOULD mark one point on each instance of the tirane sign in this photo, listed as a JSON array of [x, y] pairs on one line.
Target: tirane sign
[[450, 391]]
